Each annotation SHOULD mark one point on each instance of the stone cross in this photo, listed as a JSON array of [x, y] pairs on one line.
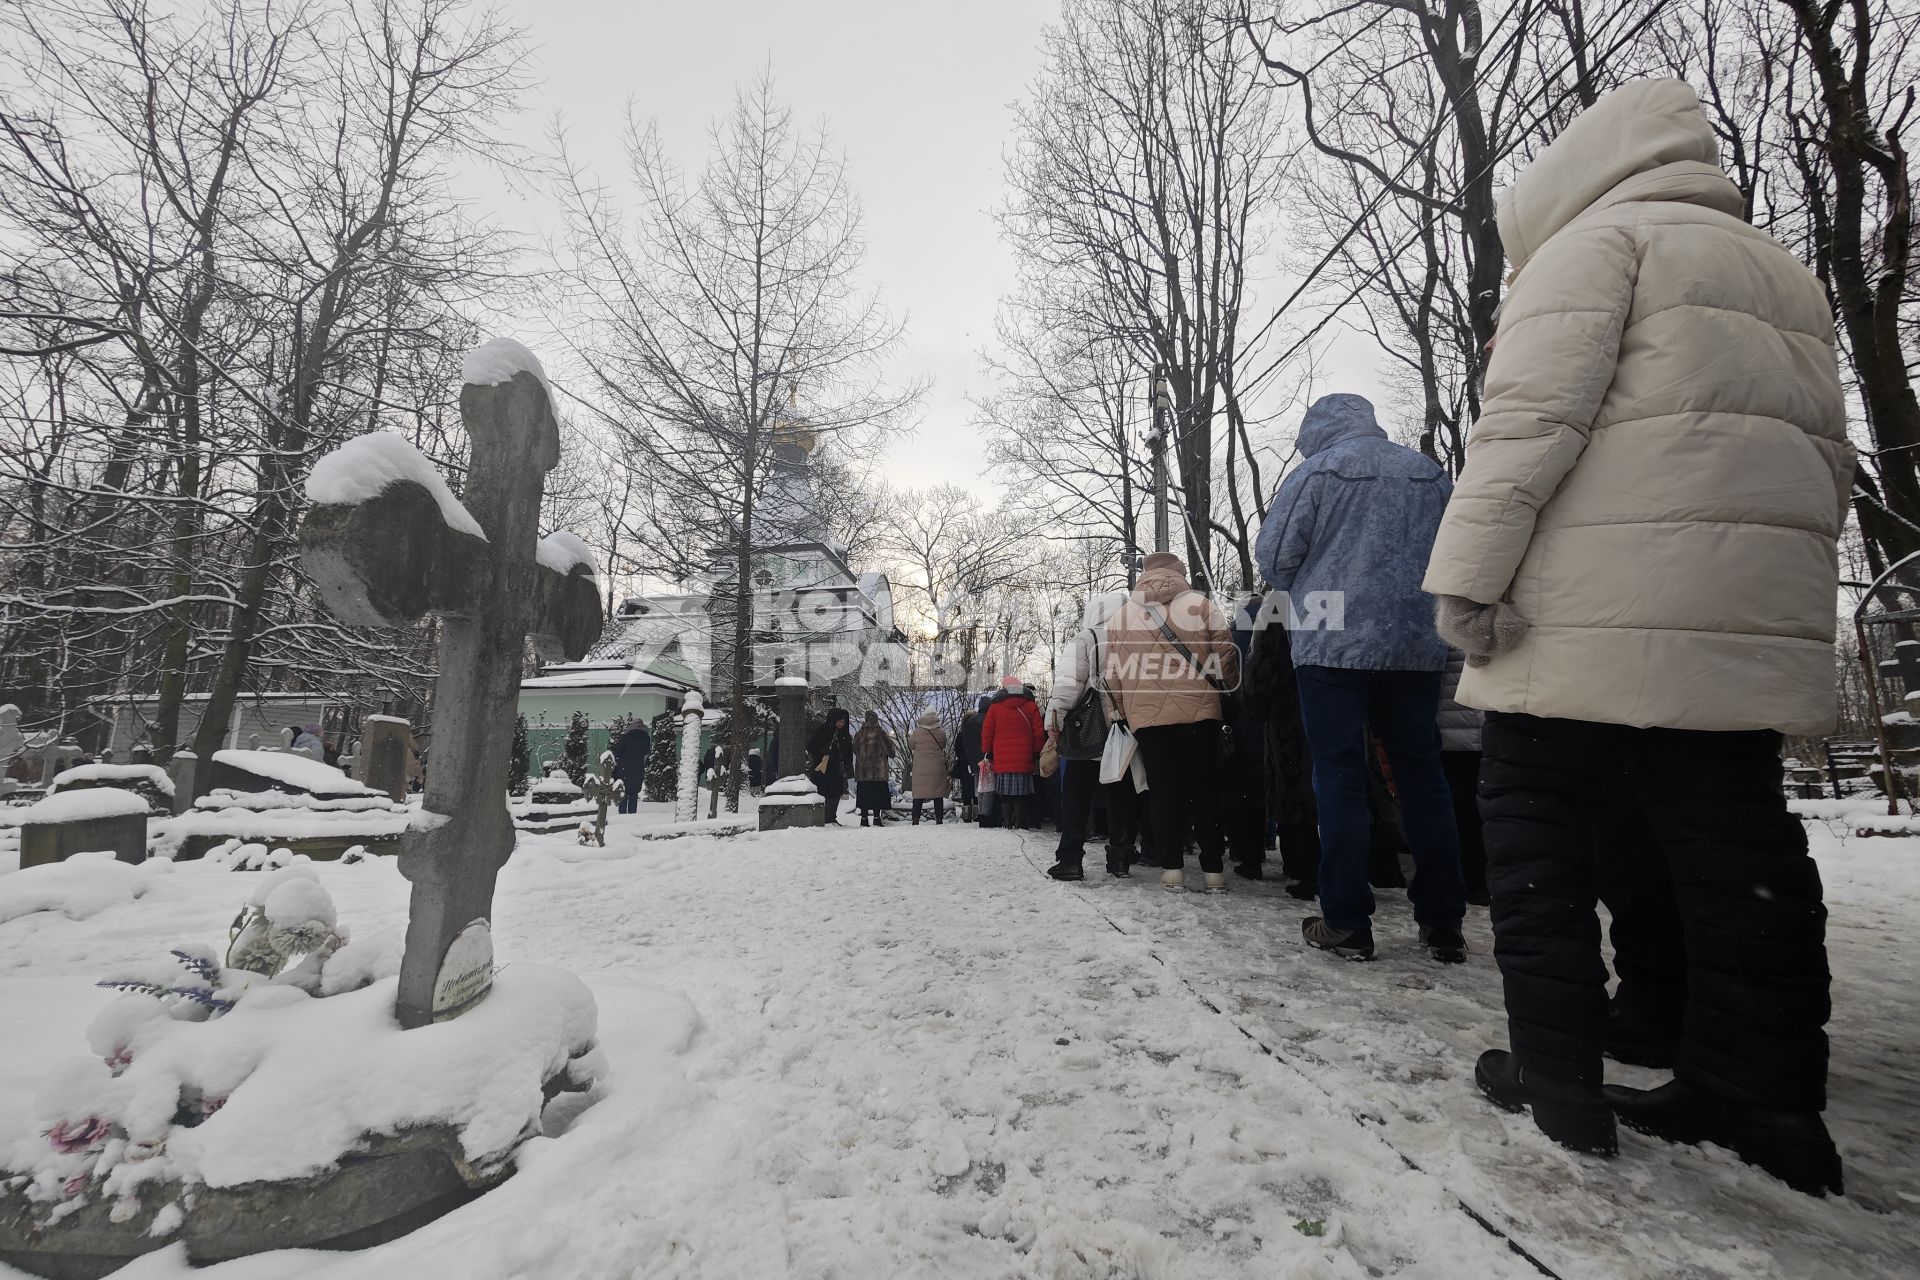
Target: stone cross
[[686, 804], [603, 789], [791, 693], [389, 560], [12, 741]]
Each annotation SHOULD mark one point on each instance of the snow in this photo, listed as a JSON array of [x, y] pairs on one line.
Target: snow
[[151, 774], [79, 806], [560, 551], [84, 885], [384, 720], [364, 466], [794, 784], [498, 360], [294, 1074], [296, 771], [903, 1052], [790, 682]]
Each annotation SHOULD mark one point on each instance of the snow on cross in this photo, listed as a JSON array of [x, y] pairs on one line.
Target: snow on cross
[[386, 550]]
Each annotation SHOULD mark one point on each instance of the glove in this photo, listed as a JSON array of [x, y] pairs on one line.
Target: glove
[[1478, 630]]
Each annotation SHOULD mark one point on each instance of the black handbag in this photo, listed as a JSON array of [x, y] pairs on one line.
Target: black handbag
[[1083, 731]]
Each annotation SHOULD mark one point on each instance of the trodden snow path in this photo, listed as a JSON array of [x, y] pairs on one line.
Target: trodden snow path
[[903, 1053]]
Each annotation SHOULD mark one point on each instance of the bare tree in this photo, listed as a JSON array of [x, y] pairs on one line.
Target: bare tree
[[723, 324], [1148, 160]]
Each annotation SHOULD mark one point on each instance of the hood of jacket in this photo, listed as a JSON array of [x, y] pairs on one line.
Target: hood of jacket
[[1647, 140], [1101, 608], [929, 720], [1337, 418], [1162, 583]]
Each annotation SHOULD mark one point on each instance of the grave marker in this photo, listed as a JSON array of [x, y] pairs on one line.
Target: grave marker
[[387, 544]]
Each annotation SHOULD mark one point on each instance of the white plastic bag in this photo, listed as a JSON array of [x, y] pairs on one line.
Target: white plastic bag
[[1117, 758], [1139, 770]]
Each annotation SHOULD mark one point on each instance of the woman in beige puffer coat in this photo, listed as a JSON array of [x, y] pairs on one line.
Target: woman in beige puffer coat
[[1171, 703], [1640, 561], [932, 776]]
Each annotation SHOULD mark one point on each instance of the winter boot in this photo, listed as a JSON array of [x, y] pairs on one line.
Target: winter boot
[[863, 820], [1216, 881], [1249, 871], [1118, 864], [1793, 1146], [1173, 881], [1348, 944], [1066, 871], [1445, 942], [1577, 1118], [1303, 890]]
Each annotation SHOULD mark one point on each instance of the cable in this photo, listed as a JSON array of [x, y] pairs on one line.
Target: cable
[[1547, 86]]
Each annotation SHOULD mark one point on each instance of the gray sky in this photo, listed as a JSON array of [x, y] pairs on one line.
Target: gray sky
[[916, 95]]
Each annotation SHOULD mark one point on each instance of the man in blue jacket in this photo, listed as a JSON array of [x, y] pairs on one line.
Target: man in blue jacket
[[1348, 538]]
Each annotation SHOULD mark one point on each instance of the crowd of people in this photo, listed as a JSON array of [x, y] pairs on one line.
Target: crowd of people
[[1561, 681]]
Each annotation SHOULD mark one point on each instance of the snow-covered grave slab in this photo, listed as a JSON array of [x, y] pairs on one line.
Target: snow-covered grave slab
[[287, 801], [554, 803], [83, 821], [792, 802], [238, 1089], [147, 780]]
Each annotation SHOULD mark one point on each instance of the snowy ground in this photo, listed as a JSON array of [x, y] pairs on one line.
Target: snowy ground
[[902, 1053]]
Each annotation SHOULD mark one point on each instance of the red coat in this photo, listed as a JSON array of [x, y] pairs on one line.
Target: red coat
[[1012, 734]]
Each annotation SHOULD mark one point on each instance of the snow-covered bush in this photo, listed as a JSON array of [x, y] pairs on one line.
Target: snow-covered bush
[[575, 752]]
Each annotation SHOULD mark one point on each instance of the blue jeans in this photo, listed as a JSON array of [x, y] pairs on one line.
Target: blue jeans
[[1338, 706]]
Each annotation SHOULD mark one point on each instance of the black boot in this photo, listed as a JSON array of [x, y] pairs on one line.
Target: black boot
[[1577, 1118], [1348, 944], [1066, 871], [1445, 942], [1118, 864], [1640, 1044], [1793, 1146], [1304, 890], [863, 819]]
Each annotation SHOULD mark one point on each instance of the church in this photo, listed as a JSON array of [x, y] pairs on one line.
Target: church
[[807, 602]]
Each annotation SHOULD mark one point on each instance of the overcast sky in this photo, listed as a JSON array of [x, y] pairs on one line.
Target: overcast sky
[[916, 95]]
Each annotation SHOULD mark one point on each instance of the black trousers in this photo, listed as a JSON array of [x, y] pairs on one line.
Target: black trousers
[[1080, 779], [1183, 791], [939, 809], [1245, 817], [1463, 780], [1706, 807]]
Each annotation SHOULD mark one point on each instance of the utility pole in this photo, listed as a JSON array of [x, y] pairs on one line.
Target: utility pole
[[1158, 443], [1129, 551]]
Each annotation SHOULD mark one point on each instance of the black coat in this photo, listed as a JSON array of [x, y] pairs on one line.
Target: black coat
[[967, 750], [1270, 694], [831, 740], [630, 755]]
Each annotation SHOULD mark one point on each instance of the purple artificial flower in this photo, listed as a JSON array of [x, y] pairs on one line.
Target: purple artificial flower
[[68, 1137]]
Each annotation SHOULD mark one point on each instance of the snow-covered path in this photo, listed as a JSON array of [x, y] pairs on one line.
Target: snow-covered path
[[902, 1053]]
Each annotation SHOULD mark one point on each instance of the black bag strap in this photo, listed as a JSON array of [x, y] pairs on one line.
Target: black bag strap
[[1180, 646]]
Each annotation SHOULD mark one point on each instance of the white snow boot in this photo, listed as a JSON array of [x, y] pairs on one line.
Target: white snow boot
[[1216, 882], [1173, 881]]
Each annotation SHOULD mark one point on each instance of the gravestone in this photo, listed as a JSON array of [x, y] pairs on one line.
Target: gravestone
[[386, 750], [390, 558], [790, 692], [792, 802], [686, 805], [181, 769], [95, 820], [12, 741]]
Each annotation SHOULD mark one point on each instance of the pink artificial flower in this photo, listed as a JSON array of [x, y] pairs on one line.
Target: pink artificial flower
[[122, 1059], [210, 1105], [74, 1186], [68, 1137]]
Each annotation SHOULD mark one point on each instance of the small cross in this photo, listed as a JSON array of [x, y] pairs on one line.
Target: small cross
[[390, 559]]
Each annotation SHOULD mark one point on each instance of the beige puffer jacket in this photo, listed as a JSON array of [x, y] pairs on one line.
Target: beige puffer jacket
[[1660, 471], [1151, 682]]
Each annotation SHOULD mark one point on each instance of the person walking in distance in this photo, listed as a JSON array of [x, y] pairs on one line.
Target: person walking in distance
[[1010, 739], [1351, 527], [927, 748], [1640, 562], [630, 753], [1170, 658]]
